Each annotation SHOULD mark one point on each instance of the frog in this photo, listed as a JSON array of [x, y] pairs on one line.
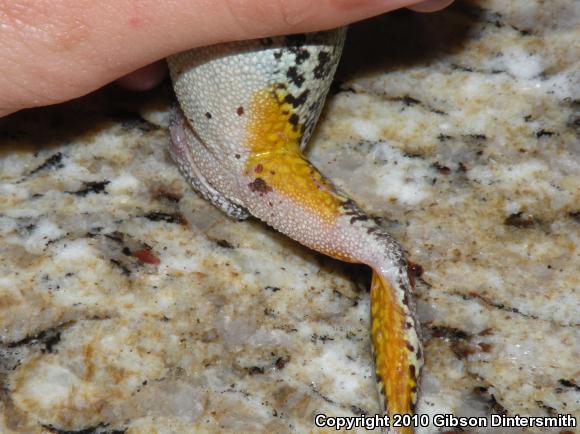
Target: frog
[[245, 111]]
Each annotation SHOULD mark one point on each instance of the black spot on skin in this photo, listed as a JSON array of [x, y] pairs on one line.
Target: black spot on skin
[[272, 288], [408, 325], [52, 162], [294, 119], [410, 347], [237, 156], [258, 185], [412, 372], [208, 115], [165, 217], [294, 76], [419, 353], [240, 111], [322, 68], [294, 45], [297, 101], [277, 55], [91, 187]]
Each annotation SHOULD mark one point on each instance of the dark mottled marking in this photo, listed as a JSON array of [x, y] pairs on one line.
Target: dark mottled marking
[[258, 185], [208, 115], [238, 156], [52, 162], [165, 217], [294, 119], [413, 372], [410, 347], [95, 187], [461, 167], [519, 220], [240, 111], [277, 55], [408, 325], [297, 101], [419, 353], [323, 66], [225, 244], [542, 133], [295, 77], [272, 288]]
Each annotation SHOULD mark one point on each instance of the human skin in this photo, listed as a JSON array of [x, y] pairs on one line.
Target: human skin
[[56, 50]]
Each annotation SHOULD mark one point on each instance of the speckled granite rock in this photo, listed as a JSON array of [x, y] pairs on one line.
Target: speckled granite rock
[[128, 304]]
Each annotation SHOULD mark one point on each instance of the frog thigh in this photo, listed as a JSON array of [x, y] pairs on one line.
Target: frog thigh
[[182, 139]]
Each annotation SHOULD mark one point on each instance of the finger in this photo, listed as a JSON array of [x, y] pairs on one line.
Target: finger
[[430, 5], [55, 50]]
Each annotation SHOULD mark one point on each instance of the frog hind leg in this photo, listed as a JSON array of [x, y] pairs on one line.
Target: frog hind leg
[[182, 141]]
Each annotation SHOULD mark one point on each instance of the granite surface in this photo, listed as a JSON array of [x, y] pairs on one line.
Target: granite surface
[[130, 305]]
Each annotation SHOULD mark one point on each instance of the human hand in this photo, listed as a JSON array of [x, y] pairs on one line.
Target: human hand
[[56, 50]]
